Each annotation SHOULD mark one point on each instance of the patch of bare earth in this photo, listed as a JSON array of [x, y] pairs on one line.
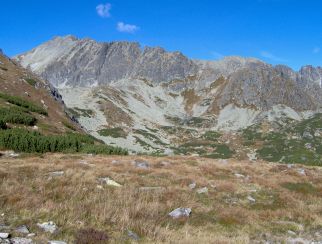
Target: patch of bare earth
[[246, 202]]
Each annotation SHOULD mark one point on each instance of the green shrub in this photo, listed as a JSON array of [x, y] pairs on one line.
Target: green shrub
[[103, 149], [113, 132], [23, 103], [33, 142], [31, 82], [15, 116]]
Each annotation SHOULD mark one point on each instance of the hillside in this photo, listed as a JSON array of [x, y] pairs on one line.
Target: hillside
[[21, 84]]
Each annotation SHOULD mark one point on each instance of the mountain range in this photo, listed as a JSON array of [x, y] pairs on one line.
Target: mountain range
[[151, 100]]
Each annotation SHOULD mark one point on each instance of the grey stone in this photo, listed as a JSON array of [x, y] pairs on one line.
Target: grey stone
[[292, 233], [202, 190], [57, 242], [20, 240], [133, 235], [22, 229], [180, 212], [192, 185], [251, 199], [4, 235], [48, 227], [141, 164], [108, 181]]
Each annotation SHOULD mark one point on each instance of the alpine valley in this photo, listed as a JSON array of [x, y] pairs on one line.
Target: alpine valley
[[152, 101]]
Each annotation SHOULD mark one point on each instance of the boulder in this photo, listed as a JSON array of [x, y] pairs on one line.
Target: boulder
[[23, 229], [4, 235], [48, 227], [141, 164], [180, 212], [19, 240], [108, 181], [202, 190]]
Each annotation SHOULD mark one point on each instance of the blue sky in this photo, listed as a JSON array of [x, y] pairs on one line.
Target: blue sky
[[276, 31]]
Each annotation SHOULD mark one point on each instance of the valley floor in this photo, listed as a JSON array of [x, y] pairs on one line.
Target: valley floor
[[231, 201]]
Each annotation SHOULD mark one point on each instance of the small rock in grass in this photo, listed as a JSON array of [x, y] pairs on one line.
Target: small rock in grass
[[180, 212], [31, 235], [239, 175], [192, 185], [301, 171], [4, 235], [115, 161], [108, 181], [48, 227], [133, 235], [202, 190], [141, 164], [19, 240], [57, 242], [290, 232], [22, 229], [251, 199]]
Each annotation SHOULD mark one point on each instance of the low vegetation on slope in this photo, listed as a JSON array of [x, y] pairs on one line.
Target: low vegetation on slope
[[18, 136], [291, 142], [231, 201], [23, 103]]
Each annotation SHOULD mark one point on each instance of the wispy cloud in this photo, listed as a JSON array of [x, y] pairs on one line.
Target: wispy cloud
[[316, 50], [127, 28], [269, 55], [103, 10]]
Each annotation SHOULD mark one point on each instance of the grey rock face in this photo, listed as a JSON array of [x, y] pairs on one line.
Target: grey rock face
[[86, 62], [244, 82]]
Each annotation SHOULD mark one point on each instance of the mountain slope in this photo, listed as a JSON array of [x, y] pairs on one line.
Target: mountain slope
[[152, 100], [20, 83]]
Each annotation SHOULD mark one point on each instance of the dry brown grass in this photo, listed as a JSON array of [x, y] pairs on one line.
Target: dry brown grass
[[223, 215]]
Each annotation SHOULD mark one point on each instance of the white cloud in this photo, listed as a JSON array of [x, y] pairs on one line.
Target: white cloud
[[103, 10], [316, 50], [271, 56], [127, 28]]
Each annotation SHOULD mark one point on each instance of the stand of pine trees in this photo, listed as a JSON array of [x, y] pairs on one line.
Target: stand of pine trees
[[22, 140]]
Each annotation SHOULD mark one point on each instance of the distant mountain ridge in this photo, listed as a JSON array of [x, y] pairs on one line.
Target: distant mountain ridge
[[68, 61], [120, 84]]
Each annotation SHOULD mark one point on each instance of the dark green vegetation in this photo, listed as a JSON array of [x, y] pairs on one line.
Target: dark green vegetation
[[207, 145], [79, 112], [20, 102], [31, 82], [22, 140], [291, 142], [150, 136], [20, 112], [113, 132], [15, 115]]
